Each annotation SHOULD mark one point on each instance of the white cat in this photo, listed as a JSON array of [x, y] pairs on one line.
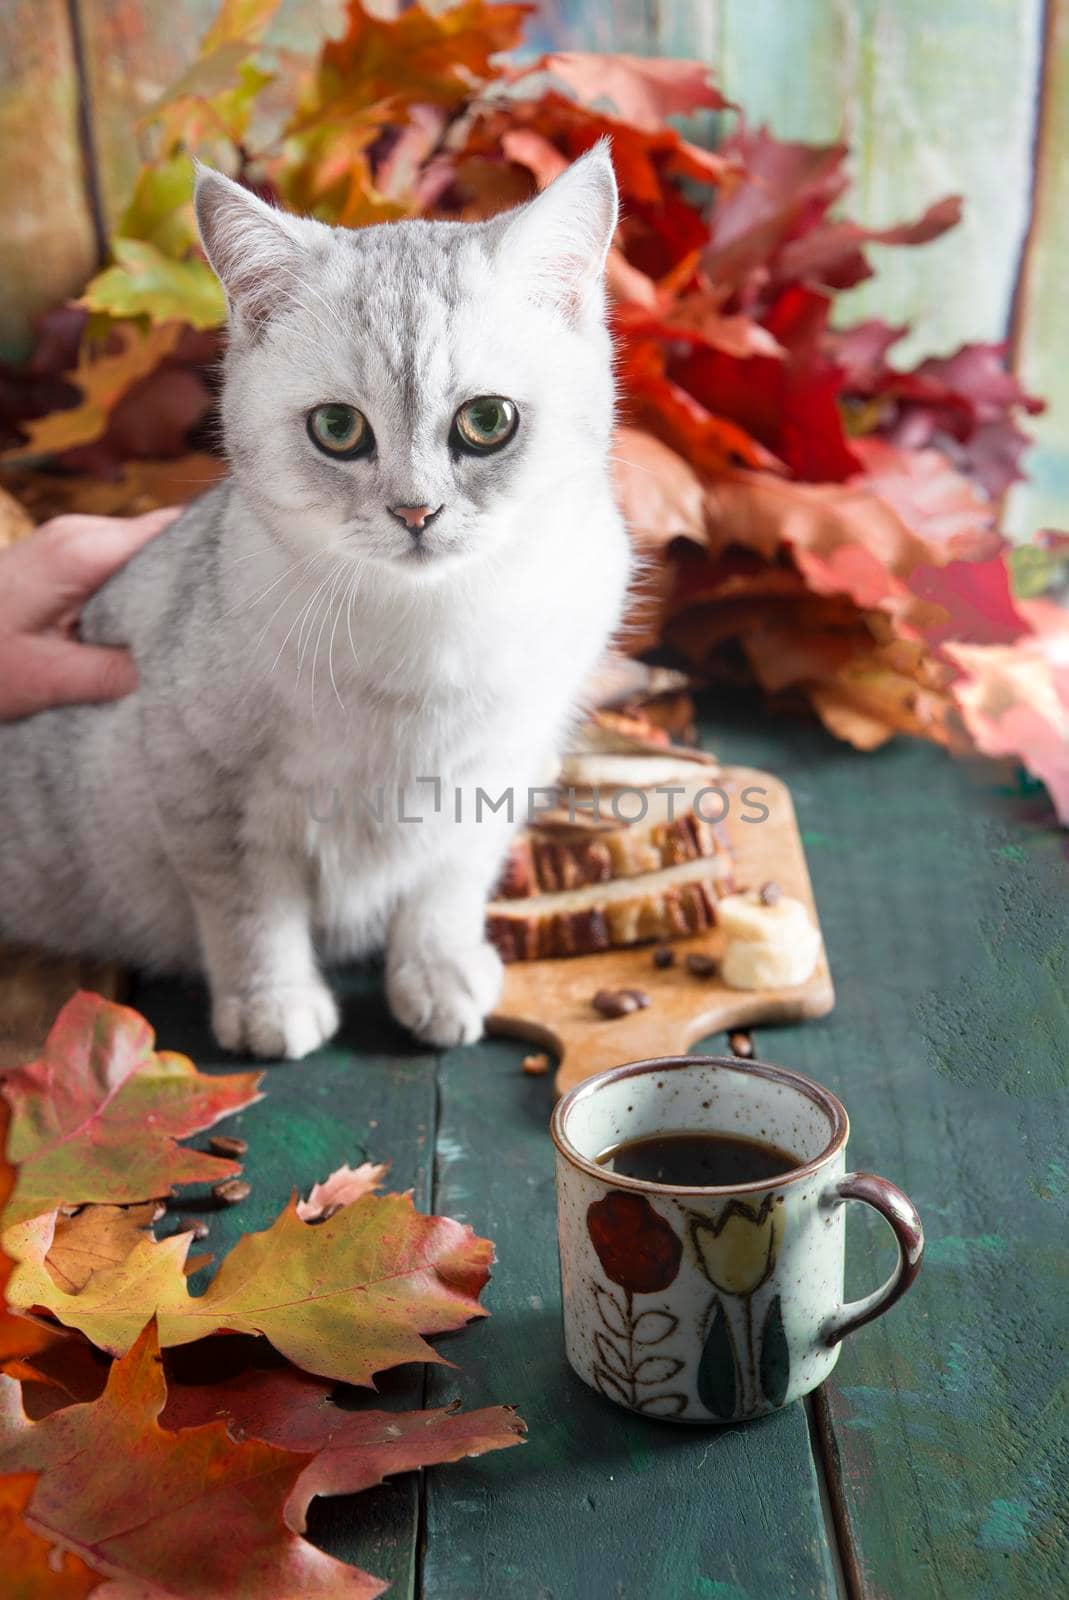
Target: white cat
[[394, 599]]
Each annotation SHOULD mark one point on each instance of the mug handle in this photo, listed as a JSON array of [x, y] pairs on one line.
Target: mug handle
[[900, 1212]]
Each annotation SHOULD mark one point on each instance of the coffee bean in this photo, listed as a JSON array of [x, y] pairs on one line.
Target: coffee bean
[[225, 1144], [232, 1191], [193, 1225], [700, 965], [740, 1044], [664, 957], [536, 1066], [769, 893], [639, 996], [614, 1002]]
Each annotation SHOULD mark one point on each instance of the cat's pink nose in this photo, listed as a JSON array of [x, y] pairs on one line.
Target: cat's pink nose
[[415, 518]]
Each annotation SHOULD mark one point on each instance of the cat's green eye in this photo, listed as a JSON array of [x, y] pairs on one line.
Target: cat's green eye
[[340, 430], [485, 423]]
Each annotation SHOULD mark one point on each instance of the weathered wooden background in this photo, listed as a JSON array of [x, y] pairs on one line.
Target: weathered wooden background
[[964, 95]]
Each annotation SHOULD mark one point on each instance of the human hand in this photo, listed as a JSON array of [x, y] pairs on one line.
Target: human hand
[[45, 580]]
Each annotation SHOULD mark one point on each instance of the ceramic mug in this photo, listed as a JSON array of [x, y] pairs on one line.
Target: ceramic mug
[[712, 1304]]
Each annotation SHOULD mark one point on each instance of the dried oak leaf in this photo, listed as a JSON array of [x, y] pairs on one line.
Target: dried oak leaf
[[831, 253], [647, 162], [783, 188], [940, 506], [658, 491], [656, 403], [969, 600], [345, 1299], [70, 1371], [33, 1568], [143, 281], [1014, 699], [864, 538], [139, 486], [190, 1515], [94, 1238], [353, 1450], [787, 400], [96, 1118], [344, 1185], [967, 403], [103, 377], [772, 229], [19, 1336], [214, 97], [432, 59], [643, 90]]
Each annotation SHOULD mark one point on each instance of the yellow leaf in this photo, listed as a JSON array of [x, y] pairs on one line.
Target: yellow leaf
[[94, 1238], [345, 1299], [146, 283], [238, 20], [15, 521], [103, 380], [161, 207]]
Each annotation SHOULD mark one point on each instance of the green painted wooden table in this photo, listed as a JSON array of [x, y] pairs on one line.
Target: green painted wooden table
[[937, 1462]]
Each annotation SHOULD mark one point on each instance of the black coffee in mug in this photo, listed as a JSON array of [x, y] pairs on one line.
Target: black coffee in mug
[[709, 1160]]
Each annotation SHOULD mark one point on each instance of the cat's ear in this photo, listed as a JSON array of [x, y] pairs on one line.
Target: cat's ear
[[259, 255], [559, 240]]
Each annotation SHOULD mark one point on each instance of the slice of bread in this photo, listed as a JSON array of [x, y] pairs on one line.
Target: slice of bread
[[668, 904]]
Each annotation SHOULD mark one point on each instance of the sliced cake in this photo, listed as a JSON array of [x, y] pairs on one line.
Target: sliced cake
[[573, 847], [671, 903]]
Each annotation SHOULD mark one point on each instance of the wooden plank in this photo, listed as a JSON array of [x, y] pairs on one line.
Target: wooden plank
[[613, 26], [944, 103], [1041, 335], [134, 49], [943, 900], [47, 246], [369, 1095], [793, 67], [599, 1502]]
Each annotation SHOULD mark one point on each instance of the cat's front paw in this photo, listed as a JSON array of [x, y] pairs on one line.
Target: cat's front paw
[[283, 1022], [443, 998]]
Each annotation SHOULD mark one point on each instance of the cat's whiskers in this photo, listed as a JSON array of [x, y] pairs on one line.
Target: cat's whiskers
[[304, 637], [633, 465], [249, 555], [247, 605], [316, 555], [300, 614], [354, 584], [330, 650], [326, 611]]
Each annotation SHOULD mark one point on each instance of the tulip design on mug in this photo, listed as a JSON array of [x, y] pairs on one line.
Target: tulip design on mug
[[736, 1251], [640, 1253]]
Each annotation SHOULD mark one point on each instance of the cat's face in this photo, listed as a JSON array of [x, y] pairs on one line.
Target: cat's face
[[397, 394]]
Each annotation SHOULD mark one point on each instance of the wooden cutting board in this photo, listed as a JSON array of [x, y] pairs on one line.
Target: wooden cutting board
[[549, 1001]]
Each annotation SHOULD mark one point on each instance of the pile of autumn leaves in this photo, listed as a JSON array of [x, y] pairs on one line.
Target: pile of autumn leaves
[[814, 517], [116, 1478]]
